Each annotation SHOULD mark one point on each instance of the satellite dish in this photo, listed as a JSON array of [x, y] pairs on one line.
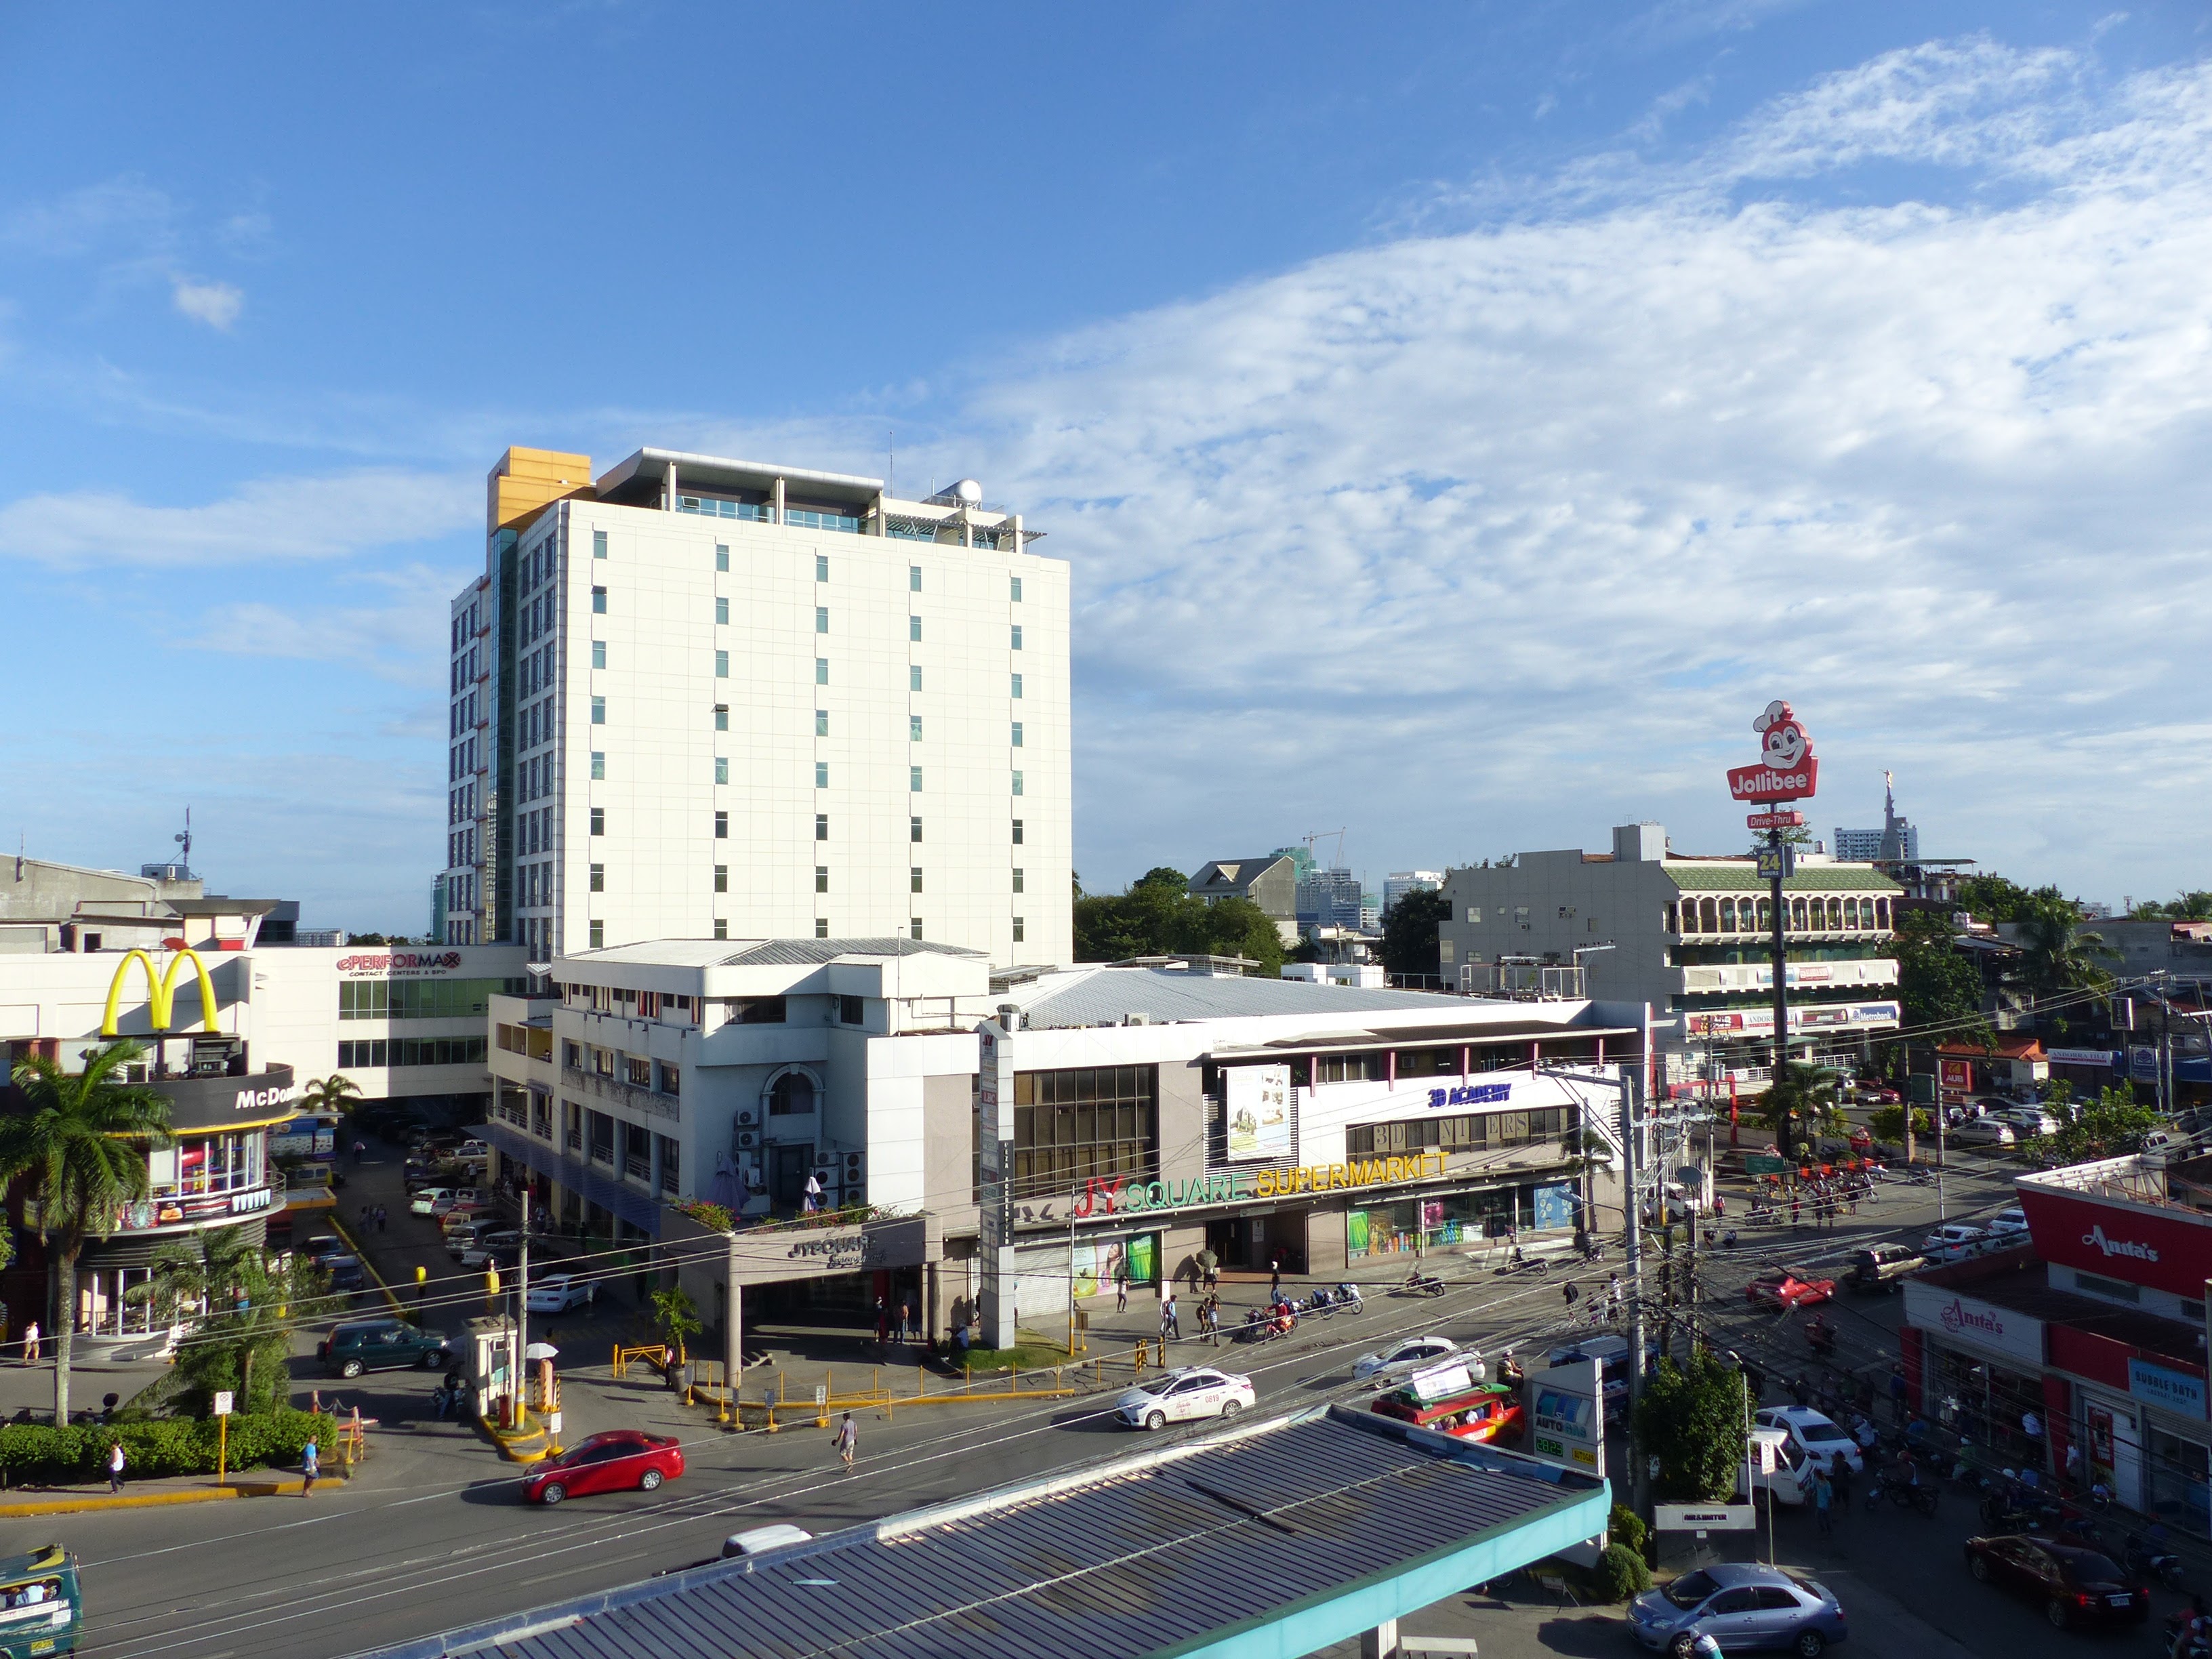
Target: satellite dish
[[969, 492]]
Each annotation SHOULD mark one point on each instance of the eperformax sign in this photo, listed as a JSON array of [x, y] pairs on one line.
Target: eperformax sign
[[2138, 1246], [400, 964]]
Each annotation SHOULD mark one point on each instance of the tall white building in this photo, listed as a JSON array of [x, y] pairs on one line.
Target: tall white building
[[1403, 882], [707, 698]]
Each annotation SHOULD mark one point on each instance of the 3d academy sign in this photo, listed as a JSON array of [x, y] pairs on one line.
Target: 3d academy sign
[[1788, 771], [1236, 1186]]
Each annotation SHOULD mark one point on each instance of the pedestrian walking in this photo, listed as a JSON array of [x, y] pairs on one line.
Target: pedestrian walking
[[1793, 1209], [31, 1342], [116, 1459], [1170, 1321], [1612, 1293], [311, 1464], [1840, 1476], [379, 1217], [1896, 1392], [1569, 1291], [849, 1440], [907, 1326], [360, 1148], [883, 1322], [1275, 1279], [1824, 1498], [1121, 1288]]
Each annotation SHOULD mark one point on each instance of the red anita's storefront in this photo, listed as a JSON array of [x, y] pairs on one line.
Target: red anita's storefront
[[2100, 1333]]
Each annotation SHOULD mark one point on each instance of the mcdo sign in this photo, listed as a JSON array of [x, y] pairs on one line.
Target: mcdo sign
[[1788, 771]]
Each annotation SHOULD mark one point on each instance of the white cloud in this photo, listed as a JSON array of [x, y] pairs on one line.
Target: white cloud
[[1506, 534], [215, 304], [284, 518]]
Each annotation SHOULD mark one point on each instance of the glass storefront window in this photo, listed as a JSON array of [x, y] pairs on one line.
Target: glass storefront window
[[2179, 1482], [1379, 1230]]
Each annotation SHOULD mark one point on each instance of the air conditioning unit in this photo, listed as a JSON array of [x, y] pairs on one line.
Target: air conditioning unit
[[856, 1166], [747, 1140], [746, 1116]]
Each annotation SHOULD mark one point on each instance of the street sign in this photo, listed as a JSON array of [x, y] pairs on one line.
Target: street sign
[[1777, 862], [821, 1393], [222, 1400], [1775, 821], [1754, 1164], [1702, 1518]]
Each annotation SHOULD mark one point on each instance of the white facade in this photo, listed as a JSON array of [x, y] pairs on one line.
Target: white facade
[[1399, 883], [707, 699]]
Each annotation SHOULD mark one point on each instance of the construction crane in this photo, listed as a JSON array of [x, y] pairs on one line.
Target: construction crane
[[1323, 835]]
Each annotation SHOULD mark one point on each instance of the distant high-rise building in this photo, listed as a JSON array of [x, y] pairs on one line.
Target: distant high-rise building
[[1403, 882], [1330, 898]]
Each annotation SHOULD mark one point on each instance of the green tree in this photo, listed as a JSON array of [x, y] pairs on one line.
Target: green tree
[[2110, 1125], [247, 1309], [1802, 1102], [1227, 927], [1993, 898], [2056, 956], [677, 1318], [79, 1142], [1939, 985], [1694, 1419], [335, 1093], [1159, 916], [1409, 932]]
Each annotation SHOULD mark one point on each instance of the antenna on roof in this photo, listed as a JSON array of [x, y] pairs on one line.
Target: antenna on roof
[[185, 838]]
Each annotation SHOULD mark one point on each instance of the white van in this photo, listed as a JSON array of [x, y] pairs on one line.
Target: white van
[[1791, 1482]]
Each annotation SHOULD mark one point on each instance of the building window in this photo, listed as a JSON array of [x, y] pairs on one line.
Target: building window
[[821, 826], [914, 928], [599, 653], [1018, 880], [721, 664], [721, 612], [721, 928], [820, 567], [721, 878], [822, 670], [1018, 685], [599, 546], [914, 676], [822, 775], [821, 928], [1097, 1122], [914, 879], [914, 728], [822, 619], [598, 601], [598, 935], [1018, 783], [914, 779], [599, 820], [914, 829], [1018, 933], [914, 628], [599, 765], [913, 578], [821, 722], [1018, 832], [722, 555], [1017, 582], [1017, 734], [1017, 637], [722, 717], [821, 877], [599, 879], [721, 769], [721, 826], [851, 1012]]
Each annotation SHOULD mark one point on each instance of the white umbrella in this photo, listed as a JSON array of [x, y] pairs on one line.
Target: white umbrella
[[541, 1351]]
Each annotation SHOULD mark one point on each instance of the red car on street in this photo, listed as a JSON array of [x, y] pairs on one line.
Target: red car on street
[[1787, 1287], [621, 1460]]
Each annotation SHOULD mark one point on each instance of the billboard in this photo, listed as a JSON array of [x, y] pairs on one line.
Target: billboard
[[2166, 1249], [1787, 768], [1257, 1101]]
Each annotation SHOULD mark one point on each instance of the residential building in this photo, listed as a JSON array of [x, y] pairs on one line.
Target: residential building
[[1146, 1113], [1330, 898], [1689, 935], [1270, 881], [2093, 1323], [1399, 883], [699, 697]]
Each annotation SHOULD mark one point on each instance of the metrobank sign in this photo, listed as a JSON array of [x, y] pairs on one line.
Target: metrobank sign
[[1239, 1186]]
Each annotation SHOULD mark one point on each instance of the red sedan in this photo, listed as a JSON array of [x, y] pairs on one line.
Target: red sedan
[[1789, 1288], [621, 1460]]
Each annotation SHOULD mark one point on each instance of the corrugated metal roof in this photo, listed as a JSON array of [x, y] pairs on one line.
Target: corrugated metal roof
[[1162, 995], [801, 953], [1809, 878], [1140, 1556]]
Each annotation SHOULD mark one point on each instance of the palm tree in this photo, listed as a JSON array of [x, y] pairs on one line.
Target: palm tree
[[249, 1310], [1801, 1096], [2056, 956], [79, 1142], [329, 1094]]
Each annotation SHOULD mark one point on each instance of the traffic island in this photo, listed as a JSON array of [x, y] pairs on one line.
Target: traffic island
[[148, 1497]]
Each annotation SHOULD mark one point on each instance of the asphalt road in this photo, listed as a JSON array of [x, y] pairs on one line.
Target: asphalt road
[[423, 1545]]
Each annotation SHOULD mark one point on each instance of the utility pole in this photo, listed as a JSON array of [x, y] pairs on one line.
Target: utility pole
[[1778, 861], [1632, 1250], [522, 1323]]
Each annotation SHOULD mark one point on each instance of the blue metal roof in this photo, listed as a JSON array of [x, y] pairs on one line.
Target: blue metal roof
[[1277, 1539]]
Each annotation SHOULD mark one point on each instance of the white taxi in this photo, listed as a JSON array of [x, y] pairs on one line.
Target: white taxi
[[1177, 1397], [1401, 1358]]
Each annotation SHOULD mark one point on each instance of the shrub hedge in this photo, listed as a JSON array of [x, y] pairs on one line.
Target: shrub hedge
[[38, 1453], [1622, 1573]]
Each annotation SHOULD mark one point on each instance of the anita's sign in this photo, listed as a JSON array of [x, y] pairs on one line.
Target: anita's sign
[[1788, 771], [161, 993]]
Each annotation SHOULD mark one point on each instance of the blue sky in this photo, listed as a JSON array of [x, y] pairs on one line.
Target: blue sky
[[1461, 426]]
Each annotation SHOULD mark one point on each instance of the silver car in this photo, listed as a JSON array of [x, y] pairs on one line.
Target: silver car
[[1744, 1606]]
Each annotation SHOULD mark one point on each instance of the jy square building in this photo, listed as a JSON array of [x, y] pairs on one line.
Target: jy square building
[[1150, 1113]]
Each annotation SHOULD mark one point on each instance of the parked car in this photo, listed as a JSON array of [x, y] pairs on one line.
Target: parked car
[[460, 1197], [1814, 1433], [621, 1460], [427, 1199], [1954, 1241], [2010, 1220], [473, 1152], [1403, 1358], [2077, 1586], [460, 1235], [558, 1292], [1743, 1605], [321, 1247], [1177, 1397], [500, 1245], [346, 1273], [381, 1344], [1882, 1266], [1788, 1287], [1983, 1131], [2026, 1121]]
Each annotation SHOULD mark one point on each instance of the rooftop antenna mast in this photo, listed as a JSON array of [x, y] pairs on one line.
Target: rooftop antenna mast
[[186, 840]]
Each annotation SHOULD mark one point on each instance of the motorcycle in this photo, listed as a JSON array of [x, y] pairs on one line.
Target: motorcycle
[[2149, 1557], [1904, 1494], [1421, 1284], [2010, 1510], [1259, 1327], [1518, 1263], [2180, 1645], [1821, 1337]]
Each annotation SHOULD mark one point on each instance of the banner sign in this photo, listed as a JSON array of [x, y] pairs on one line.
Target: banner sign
[[1783, 820], [2165, 1388], [1257, 1100], [2166, 1250], [1567, 1424], [1788, 770], [1968, 1319], [1702, 1518]]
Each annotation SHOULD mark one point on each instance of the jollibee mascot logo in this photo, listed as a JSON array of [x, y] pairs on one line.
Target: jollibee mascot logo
[[1788, 769], [1785, 739]]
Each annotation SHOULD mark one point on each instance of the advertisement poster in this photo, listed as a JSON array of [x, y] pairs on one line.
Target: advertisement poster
[[1257, 1099], [1355, 1233], [1083, 1267], [1143, 1259], [1555, 1206], [1955, 1074]]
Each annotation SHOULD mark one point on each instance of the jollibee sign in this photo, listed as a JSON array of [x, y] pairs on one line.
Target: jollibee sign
[[2119, 1241], [1788, 770]]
